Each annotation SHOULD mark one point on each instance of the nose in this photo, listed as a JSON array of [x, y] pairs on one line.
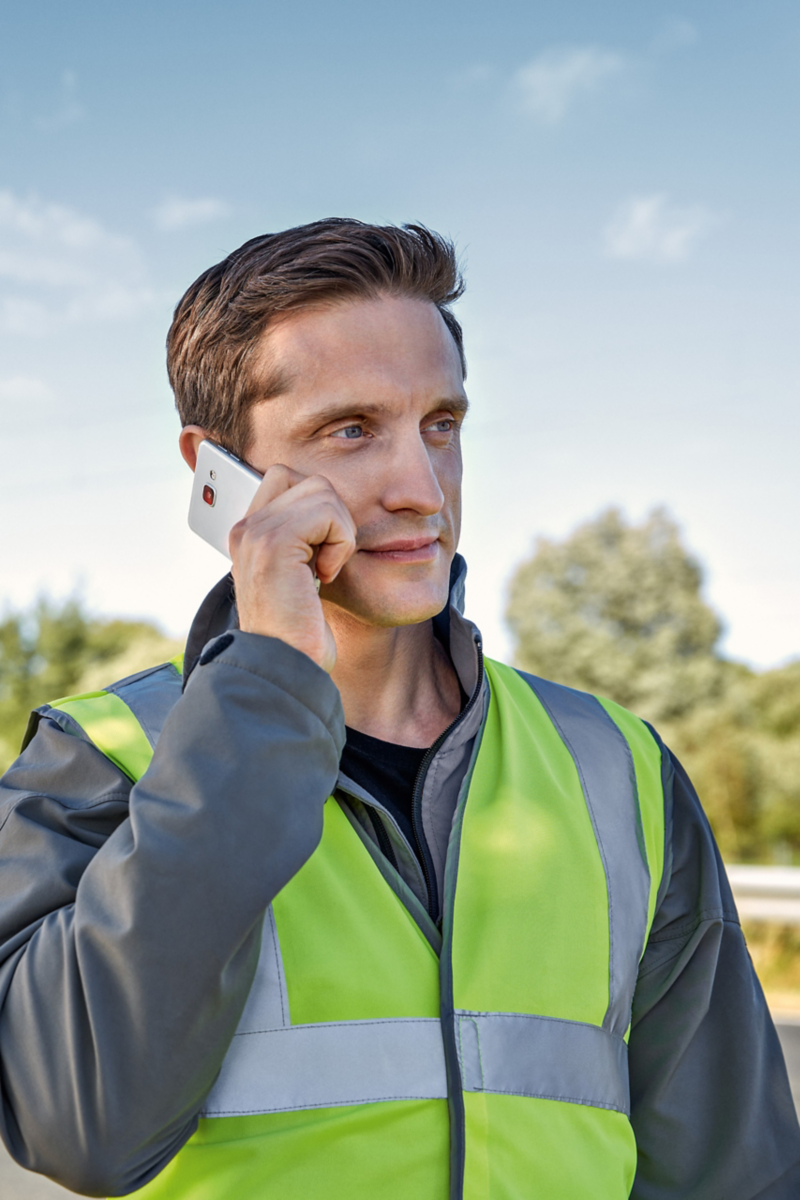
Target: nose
[[410, 481]]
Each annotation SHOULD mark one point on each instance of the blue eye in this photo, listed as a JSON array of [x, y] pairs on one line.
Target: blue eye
[[350, 432]]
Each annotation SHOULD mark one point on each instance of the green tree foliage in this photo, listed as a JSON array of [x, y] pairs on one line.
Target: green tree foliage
[[617, 609], [55, 650], [776, 735]]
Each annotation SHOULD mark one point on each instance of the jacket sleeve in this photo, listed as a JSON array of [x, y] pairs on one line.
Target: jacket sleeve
[[711, 1104], [130, 916]]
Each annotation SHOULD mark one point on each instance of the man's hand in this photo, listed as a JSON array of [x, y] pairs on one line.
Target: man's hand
[[292, 519]]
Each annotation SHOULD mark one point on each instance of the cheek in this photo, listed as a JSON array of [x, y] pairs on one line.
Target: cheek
[[356, 486], [457, 517], [449, 479]]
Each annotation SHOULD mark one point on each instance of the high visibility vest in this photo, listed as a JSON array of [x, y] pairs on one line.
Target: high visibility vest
[[376, 1060]]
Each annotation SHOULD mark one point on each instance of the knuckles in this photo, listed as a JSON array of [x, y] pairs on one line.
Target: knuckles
[[296, 509], [270, 527]]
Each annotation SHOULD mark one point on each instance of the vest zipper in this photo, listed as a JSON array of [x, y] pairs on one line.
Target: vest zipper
[[423, 853]]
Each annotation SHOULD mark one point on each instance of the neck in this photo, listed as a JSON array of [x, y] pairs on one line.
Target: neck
[[396, 684]]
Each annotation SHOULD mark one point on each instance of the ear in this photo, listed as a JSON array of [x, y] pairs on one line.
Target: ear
[[189, 442]]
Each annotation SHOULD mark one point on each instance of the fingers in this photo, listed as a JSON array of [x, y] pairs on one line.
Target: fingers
[[278, 479], [337, 549], [302, 513], [295, 523]]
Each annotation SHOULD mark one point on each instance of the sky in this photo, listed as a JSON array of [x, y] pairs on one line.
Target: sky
[[622, 183]]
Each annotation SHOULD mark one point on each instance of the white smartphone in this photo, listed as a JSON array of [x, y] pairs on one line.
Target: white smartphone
[[221, 494]]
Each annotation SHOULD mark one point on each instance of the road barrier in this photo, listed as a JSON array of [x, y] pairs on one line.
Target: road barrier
[[766, 893]]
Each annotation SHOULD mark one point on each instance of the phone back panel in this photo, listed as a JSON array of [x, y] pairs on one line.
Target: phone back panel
[[221, 493]]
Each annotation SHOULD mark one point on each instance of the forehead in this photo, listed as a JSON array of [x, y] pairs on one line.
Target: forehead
[[386, 346]]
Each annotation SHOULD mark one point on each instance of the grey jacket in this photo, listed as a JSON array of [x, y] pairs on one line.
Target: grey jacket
[[130, 921]]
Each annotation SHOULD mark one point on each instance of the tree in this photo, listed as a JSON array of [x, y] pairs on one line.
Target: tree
[[775, 699], [53, 650], [617, 609]]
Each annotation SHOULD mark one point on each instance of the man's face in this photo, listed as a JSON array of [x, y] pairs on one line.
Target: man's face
[[372, 398]]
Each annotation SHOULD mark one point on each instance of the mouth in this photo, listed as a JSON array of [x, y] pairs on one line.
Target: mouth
[[405, 550]]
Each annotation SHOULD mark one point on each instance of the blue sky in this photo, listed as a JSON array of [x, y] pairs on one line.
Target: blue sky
[[621, 179]]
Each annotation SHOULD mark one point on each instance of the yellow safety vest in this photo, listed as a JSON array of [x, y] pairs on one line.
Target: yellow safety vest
[[371, 1063]]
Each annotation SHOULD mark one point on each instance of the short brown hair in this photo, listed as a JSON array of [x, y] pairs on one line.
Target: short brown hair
[[220, 319]]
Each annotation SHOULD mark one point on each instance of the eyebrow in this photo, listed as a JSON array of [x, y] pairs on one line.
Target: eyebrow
[[275, 383]]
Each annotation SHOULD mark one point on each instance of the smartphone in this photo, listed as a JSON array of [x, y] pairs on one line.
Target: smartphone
[[221, 494]]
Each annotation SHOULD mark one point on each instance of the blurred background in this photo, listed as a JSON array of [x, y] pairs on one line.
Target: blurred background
[[622, 183]]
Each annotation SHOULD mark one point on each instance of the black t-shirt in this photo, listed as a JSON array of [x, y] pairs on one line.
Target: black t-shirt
[[387, 771]]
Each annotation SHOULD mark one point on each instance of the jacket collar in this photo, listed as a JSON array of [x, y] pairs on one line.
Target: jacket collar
[[460, 637]]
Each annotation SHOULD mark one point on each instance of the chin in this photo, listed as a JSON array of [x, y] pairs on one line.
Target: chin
[[394, 605]]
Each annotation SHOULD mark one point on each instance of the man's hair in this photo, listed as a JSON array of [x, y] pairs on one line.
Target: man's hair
[[218, 323]]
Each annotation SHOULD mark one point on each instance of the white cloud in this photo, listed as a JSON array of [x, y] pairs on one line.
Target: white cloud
[[650, 229], [177, 212], [549, 85], [69, 108], [24, 389], [58, 265]]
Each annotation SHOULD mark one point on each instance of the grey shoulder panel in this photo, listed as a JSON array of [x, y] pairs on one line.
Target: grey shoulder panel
[[61, 719], [605, 768], [150, 696], [62, 765]]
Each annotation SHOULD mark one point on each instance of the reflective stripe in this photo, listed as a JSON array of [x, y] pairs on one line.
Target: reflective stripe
[[329, 1065], [106, 716], [108, 721], [361, 1062], [544, 1057], [267, 1004], [605, 768]]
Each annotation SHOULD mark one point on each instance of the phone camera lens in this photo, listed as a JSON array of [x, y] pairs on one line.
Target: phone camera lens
[[209, 494]]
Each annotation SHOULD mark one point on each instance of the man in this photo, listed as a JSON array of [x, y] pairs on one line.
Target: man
[[378, 918]]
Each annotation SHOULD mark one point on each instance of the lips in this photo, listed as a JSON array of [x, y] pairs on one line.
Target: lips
[[419, 549], [401, 544]]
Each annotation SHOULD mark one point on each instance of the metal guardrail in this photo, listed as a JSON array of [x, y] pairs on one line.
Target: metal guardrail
[[766, 893]]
